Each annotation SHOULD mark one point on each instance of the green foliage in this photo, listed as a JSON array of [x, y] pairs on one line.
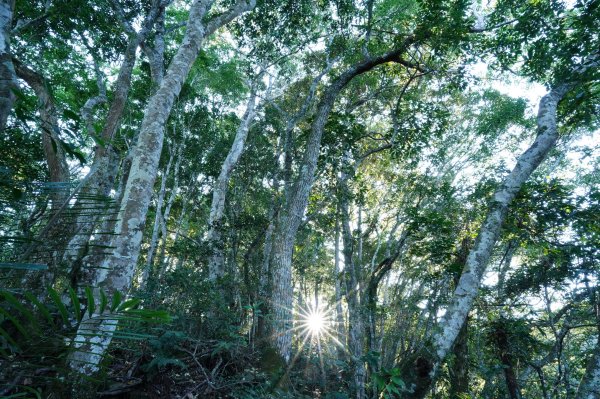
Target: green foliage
[[437, 139], [38, 332], [164, 352], [390, 383]]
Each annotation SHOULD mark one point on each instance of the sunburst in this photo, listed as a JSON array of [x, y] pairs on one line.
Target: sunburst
[[316, 322]]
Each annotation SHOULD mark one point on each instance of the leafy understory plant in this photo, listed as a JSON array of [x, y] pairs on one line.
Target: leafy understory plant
[[37, 336]]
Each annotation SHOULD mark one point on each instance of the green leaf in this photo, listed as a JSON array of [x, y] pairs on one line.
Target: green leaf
[[40, 306], [24, 311], [59, 304], [76, 304], [24, 266], [392, 389], [91, 303], [67, 113], [103, 301], [129, 304], [98, 140], [116, 300], [398, 381], [73, 151], [15, 322], [379, 381]]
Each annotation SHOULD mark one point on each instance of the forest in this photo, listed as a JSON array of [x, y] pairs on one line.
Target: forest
[[336, 199]]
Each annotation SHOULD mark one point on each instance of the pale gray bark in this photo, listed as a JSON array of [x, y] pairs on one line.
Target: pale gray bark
[[341, 325], [589, 387], [356, 328], [94, 336], [291, 215], [8, 78], [157, 221], [269, 259], [467, 289], [504, 265], [216, 264], [106, 160], [167, 213], [88, 108], [165, 262], [470, 280]]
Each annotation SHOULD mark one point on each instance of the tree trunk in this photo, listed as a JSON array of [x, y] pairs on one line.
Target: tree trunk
[[589, 387], [8, 78], [459, 370], [293, 212], [94, 335], [167, 213], [352, 273], [216, 264], [104, 170], [265, 279], [467, 289], [157, 222], [468, 285], [501, 337], [340, 324], [53, 150]]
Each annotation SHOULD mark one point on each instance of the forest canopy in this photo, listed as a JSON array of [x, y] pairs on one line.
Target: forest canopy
[[300, 199]]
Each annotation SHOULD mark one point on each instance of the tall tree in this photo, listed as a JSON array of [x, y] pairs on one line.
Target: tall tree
[[120, 265]]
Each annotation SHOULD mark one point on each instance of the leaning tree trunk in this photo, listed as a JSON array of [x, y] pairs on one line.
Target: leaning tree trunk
[[458, 372], [167, 213], [216, 264], [53, 150], [292, 213], [104, 170], [94, 334], [8, 77], [422, 373]]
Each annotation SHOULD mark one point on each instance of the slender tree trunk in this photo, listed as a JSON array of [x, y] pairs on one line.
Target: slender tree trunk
[[216, 264], [356, 326], [8, 78], [265, 279], [589, 387], [53, 150], [468, 285], [504, 265], [166, 261], [340, 323], [275, 285], [167, 213], [105, 167], [504, 352], [94, 335], [293, 212], [58, 170], [459, 370], [444, 337], [157, 222]]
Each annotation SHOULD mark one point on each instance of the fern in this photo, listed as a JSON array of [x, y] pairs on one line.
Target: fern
[[37, 333]]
